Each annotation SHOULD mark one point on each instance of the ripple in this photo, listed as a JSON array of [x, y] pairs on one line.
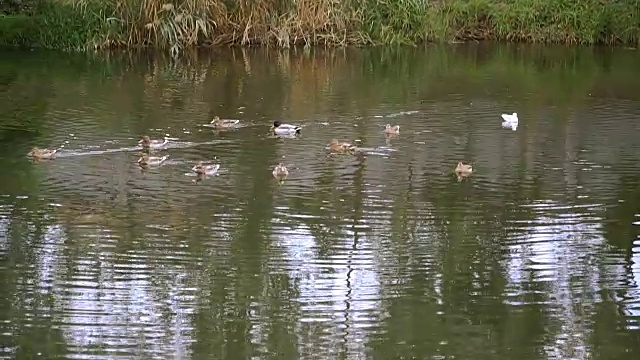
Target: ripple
[[384, 253], [339, 290]]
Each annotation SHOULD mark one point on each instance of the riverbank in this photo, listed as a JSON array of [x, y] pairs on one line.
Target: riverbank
[[82, 24]]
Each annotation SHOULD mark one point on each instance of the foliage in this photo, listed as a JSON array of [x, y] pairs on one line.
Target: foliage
[[18, 6], [177, 24]]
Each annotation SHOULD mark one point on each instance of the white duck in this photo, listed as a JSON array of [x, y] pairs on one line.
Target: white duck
[[510, 121]]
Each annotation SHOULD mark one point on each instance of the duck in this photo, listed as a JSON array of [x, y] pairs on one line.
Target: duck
[[463, 169], [392, 130], [510, 121], [201, 169], [280, 171], [146, 142], [217, 123], [146, 160], [199, 177], [336, 146], [38, 153], [279, 128], [510, 117]]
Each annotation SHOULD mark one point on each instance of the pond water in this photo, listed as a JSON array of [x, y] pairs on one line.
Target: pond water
[[383, 255]]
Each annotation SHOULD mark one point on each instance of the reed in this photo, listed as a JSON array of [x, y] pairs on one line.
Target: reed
[[178, 24]]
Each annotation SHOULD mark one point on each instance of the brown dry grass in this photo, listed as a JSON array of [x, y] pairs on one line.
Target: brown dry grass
[[184, 23]]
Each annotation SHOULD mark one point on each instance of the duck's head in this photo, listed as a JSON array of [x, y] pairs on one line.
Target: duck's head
[[216, 119], [145, 140], [34, 150], [276, 124], [143, 159]]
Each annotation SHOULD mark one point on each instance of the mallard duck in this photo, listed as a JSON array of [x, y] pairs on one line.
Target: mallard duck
[[463, 169], [38, 153], [280, 171], [146, 160], [217, 123], [336, 146], [279, 128], [201, 169], [146, 142], [392, 130]]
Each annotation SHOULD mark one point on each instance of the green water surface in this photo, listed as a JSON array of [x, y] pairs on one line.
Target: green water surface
[[383, 255]]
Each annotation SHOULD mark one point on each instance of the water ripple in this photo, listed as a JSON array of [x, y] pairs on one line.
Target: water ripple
[[380, 254]]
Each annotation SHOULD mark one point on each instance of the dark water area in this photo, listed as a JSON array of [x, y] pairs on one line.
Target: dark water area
[[383, 255]]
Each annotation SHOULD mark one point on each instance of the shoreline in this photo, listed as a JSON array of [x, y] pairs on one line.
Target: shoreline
[[128, 24]]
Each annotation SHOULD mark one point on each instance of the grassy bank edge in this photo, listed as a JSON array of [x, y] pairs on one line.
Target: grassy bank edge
[[85, 24]]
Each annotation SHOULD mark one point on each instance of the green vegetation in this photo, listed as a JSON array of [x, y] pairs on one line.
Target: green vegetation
[[178, 24]]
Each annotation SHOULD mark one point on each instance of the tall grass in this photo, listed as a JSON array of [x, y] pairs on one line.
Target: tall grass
[[178, 24], [558, 21]]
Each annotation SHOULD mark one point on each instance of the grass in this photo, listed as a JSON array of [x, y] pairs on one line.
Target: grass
[[179, 24]]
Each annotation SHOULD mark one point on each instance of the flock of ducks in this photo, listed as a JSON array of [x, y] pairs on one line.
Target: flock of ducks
[[280, 171], [200, 169]]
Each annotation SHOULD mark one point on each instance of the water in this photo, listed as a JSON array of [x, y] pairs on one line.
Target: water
[[384, 255]]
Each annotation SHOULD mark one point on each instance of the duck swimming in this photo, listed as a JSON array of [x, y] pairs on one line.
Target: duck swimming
[[392, 130], [510, 121], [147, 142], [338, 147], [38, 153], [279, 128], [201, 169], [280, 171], [146, 160], [217, 123], [463, 170]]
